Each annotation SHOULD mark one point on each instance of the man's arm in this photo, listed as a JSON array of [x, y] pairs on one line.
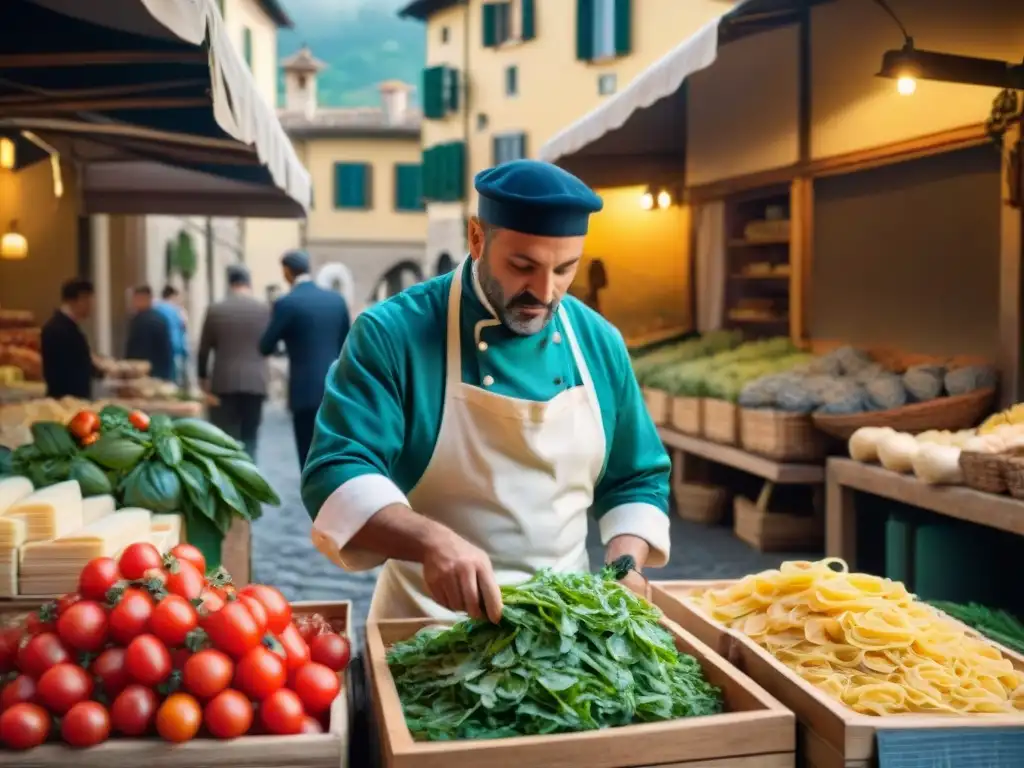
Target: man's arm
[[275, 330], [207, 344]]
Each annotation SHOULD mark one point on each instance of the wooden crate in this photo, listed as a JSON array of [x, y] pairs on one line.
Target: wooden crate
[[755, 732], [657, 403], [831, 734], [325, 750]]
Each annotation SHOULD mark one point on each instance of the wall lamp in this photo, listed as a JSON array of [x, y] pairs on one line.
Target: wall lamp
[[909, 64], [655, 197]]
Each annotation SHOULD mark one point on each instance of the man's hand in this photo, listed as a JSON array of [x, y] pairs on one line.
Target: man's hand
[[460, 577], [639, 550]]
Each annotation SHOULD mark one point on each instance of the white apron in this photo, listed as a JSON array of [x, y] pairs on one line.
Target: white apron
[[514, 477]]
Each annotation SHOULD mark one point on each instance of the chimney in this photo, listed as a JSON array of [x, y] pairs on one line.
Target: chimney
[[394, 100], [300, 71]]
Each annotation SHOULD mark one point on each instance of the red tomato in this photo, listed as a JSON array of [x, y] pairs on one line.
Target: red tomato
[[279, 610], [210, 601], [259, 613], [190, 554], [296, 652], [311, 725], [110, 672], [86, 724], [139, 420], [207, 673], [24, 726], [172, 620], [147, 660], [21, 690], [138, 558], [62, 686], [184, 579], [317, 686], [158, 575], [179, 718], [281, 713], [259, 673], [312, 624], [330, 650], [130, 617], [83, 424], [83, 626], [10, 639], [232, 629], [35, 624], [66, 602], [40, 653], [133, 710], [228, 715], [97, 578]]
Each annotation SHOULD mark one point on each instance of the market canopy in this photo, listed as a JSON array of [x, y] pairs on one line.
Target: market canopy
[[155, 83]]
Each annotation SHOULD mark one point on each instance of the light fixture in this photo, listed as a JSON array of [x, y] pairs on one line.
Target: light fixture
[[664, 199], [647, 200], [13, 244], [8, 154], [910, 62], [906, 85]]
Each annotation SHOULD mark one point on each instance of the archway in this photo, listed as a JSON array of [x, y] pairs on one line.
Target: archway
[[396, 280], [445, 263]]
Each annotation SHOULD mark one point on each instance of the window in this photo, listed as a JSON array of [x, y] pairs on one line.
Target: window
[[440, 92], [510, 146], [482, 121], [603, 29], [606, 84], [352, 185], [445, 34], [247, 45], [509, 21], [408, 187], [511, 81], [444, 172]]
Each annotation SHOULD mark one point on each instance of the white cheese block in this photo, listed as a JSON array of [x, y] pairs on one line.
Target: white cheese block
[[96, 507], [50, 512], [13, 532], [12, 490], [104, 538], [172, 526]]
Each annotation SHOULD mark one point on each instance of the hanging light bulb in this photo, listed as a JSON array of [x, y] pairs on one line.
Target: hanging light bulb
[[647, 200], [664, 199], [8, 154], [13, 244], [906, 85]]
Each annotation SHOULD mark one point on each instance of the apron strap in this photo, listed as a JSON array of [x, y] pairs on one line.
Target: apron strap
[[453, 360], [581, 364]]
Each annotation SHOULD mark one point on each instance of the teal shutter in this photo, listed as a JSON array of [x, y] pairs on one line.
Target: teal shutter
[[433, 92], [450, 96], [623, 27], [429, 164], [490, 25], [352, 185], [585, 30], [458, 162], [408, 187], [529, 20]]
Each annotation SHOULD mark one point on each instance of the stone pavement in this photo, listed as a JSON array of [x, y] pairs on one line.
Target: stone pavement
[[283, 555]]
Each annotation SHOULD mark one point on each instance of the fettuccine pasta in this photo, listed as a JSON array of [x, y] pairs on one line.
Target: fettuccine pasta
[[867, 642]]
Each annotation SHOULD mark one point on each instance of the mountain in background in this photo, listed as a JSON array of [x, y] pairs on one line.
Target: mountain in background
[[363, 42]]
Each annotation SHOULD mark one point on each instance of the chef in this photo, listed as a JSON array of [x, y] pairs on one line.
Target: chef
[[473, 420]]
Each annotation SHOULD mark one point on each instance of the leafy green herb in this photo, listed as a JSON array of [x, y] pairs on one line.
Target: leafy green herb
[[572, 652], [1003, 627]]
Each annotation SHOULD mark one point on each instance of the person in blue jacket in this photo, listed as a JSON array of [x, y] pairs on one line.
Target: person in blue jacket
[[313, 323], [473, 420]]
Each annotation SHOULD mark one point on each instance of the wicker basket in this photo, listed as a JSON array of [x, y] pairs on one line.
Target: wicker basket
[[688, 415], [657, 402], [781, 436], [721, 421], [952, 413], [701, 502], [1013, 473], [983, 471]]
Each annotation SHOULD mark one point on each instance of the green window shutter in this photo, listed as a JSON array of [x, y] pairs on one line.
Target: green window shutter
[[584, 30], [247, 45], [430, 173], [459, 163], [352, 185], [433, 92], [450, 96], [490, 25], [529, 20], [623, 27], [408, 187]]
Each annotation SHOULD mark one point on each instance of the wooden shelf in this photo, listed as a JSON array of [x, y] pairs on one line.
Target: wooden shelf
[[768, 276], [759, 320], [783, 474], [742, 243]]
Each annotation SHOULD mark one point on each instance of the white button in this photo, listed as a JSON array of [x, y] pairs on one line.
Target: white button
[[488, 381], [482, 346], [556, 337]]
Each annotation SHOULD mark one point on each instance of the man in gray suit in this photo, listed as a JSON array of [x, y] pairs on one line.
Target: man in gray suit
[[232, 331]]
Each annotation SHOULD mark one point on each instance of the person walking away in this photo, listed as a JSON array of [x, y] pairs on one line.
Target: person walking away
[[170, 306], [231, 332], [68, 364], [313, 323], [149, 335]]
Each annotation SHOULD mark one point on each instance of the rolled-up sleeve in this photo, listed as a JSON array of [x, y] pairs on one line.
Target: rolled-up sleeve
[[631, 497], [359, 432]]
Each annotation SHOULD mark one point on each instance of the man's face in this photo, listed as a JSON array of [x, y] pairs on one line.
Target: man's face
[[82, 306], [141, 301], [524, 277]]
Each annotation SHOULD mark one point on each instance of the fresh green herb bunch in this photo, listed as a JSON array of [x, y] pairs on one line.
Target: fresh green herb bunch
[[572, 652]]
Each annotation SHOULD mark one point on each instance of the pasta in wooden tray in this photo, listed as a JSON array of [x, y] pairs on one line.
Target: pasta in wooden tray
[[866, 641]]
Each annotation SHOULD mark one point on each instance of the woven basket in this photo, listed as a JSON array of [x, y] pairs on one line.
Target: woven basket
[[1013, 474], [781, 436], [657, 402], [688, 415], [701, 502], [952, 413], [721, 421], [983, 471]]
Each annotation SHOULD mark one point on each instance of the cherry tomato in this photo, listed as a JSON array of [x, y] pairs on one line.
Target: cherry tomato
[[172, 620], [281, 713], [21, 690], [90, 439], [259, 613], [296, 652], [207, 673], [147, 660], [190, 554], [10, 639], [228, 715], [279, 610], [155, 575], [130, 617], [36, 624], [311, 725], [133, 710], [109, 670], [259, 673], [66, 602], [232, 629], [312, 624], [138, 558], [184, 579], [139, 420], [179, 718], [24, 726], [210, 601], [331, 650], [97, 578], [62, 686], [40, 653], [83, 626], [83, 424], [316, 686], [86, 724], [223, 591]]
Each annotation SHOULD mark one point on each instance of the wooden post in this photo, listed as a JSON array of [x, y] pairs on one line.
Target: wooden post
[[1011, 274]]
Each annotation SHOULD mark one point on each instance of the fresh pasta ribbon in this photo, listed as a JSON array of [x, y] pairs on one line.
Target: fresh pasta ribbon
[[867, 642]]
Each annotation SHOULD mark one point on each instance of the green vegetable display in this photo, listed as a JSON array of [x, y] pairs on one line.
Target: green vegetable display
[[721, 375], [572, 652], [648, 365], [994, 624]]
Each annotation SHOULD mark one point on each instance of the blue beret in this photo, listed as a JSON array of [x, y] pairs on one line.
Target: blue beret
[[296, 261], [535, 198]]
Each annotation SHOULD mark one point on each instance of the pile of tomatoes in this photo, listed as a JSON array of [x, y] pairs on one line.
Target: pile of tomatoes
[[150, 644]]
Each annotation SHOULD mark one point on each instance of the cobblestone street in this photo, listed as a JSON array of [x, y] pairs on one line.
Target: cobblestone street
[[283, 555]]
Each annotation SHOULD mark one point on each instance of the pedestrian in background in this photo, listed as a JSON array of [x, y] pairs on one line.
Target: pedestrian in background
[[170, 306], [68, 364], [313, 323], [149, 335], [231, 331]]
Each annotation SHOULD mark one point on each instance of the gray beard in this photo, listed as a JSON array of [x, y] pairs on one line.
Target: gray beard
[[509, 316]]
